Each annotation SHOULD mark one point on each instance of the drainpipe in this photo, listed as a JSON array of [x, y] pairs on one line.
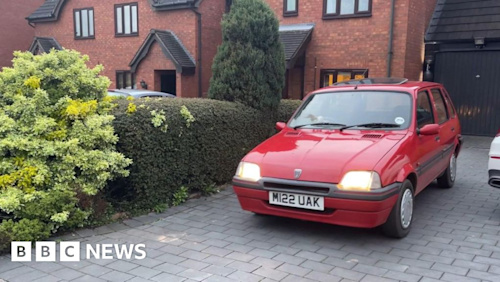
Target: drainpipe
[[391, 37], [200, 76]]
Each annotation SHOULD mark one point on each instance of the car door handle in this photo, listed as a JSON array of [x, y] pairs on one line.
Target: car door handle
[[437, 138], [453, 129]]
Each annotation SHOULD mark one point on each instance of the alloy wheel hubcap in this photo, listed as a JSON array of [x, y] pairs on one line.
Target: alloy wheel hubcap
[[453, 167], [406, 209]]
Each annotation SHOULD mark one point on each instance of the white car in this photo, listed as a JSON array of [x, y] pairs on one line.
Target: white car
[[494, 163]]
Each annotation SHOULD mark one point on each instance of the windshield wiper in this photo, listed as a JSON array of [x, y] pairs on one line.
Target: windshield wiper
[[372, 125], [318, 124]]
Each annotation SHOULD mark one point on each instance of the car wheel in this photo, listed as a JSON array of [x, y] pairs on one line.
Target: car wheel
[[450, 174], [399, 222]]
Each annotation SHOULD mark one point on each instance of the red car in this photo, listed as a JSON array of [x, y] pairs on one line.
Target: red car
[[355, 154]]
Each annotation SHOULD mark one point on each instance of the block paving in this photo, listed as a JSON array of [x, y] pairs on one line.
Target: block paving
[[455, 237]]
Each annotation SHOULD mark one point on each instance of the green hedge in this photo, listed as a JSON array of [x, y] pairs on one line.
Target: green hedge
[[195, 157], [286, 109]]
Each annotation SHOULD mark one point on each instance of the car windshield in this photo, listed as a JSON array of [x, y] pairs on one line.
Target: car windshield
[[355, 109]]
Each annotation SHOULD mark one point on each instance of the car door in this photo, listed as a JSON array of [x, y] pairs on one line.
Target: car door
[[428, 150], [447, 129]]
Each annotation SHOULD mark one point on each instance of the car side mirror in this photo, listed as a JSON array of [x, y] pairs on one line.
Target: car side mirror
[[280, 126], [429, 129]]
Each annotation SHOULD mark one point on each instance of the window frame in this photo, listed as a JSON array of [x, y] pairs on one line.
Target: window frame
[[431, 106], [79, 10], [124, 73], [287, 13], [446, 109], [353, 72], [356, 14], [122, 6], [452, 112]]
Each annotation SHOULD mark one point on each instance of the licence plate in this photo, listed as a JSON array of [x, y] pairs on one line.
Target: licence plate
[[297, 201]]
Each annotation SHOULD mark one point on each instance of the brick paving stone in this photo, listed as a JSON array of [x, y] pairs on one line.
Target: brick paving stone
[[424, 272], [270, 273], [144, 272], [67, 274], [245, 277], [293, 269], [458, 278], [243, 266], [346, 273], [320, 276], [193, 264], [269, 263], [317, 266]]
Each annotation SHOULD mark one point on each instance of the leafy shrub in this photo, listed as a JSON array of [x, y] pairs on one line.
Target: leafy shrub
[[5, 240], [180, 196], [57, 143], [26, 229], [250, 63], [192, 143], [287, 109]]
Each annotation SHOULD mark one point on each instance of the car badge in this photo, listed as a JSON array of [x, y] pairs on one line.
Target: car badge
[[297, 173]]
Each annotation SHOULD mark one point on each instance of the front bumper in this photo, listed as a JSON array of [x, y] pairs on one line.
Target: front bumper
[[355, 209]]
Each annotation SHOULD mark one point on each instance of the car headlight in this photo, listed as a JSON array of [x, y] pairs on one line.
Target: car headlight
[[248, 171], [360, 181]]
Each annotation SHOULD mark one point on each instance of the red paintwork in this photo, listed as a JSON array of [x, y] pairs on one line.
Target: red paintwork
[[326, 155], [364, 214]]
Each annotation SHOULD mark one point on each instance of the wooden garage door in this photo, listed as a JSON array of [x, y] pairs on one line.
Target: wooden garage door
[[473, 81]]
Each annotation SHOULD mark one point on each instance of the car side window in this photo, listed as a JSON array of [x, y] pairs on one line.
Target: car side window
[[424, 110], [450, 105], [441, 108]]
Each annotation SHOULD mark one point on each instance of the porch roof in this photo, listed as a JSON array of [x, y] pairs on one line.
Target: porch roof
[[295, 39], [171, 46], [44, 44]]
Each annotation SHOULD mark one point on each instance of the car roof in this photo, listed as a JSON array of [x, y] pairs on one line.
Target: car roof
[[139, 92], [388, 84]]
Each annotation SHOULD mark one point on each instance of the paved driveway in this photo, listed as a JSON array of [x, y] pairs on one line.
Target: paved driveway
[[455, 237]]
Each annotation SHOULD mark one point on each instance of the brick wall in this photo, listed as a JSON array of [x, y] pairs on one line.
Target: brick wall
[[212, 12], [361, 43], [115, 53], [15, 33], [420, 13]]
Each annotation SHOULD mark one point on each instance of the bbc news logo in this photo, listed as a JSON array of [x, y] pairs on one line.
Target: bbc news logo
[[71, 252]]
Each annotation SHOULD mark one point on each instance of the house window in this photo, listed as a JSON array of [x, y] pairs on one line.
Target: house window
[[84, 23], [329, 77], [125, 80], [126, 20], [229, 3], [346, 8], [290, 8]]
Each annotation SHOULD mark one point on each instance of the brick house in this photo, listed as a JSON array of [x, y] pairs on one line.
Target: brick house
[[16, 34], [167, 45], [327, 41]]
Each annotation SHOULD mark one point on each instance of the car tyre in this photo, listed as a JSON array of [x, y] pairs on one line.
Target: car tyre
[[398, 224], [447, 179]]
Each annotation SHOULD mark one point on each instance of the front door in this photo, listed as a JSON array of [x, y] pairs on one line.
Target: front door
[[427, 148], [168, 82]]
